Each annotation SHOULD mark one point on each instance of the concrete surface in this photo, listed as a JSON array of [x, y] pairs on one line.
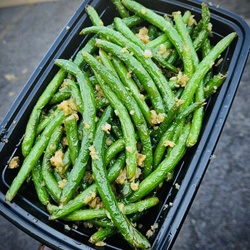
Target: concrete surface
[[220, 215]]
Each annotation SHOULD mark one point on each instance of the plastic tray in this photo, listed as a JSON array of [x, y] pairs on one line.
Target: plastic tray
[[26, 212]]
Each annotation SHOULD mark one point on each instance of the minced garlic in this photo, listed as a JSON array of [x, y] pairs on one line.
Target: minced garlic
[[162, 49], [168, 143], [93, 153], [14, 162], [57, 159], [106, 128], [62, 183], [143, 35], [182, 79], [178, 101], [140, 159], [68, 106], [134, 185], [122, 177], [157, 118], [147, 53]]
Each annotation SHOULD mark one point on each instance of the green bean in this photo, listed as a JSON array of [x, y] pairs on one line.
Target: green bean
[[102, 234], [131, 106], [160, 148], [202, 69], [72, 136], [167, 165], [123, 12], [93, 15], [106, 61], [46, 120], [203, 24], [32, 158], [213, 84], [115, 148], [99, 213], [128, 81], [41, 190], [157, 134], [48, 177], [89, 116], [158, 41], [75, 93], [60, 95], [186, 39], [108, 198], [199, 39], [29, 135], [66, 161]]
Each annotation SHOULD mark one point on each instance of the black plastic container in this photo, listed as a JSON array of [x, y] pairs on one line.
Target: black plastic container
[[25, 210]]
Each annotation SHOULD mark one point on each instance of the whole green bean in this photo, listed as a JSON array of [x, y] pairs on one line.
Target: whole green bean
[[93, 15], [61, 95], [99, 213], [48, 177], [128, 81], [203, 68], [29, 135], [89, 115], [125, 227], [75, 93], [71, 130], [115, 148], [37, 179], [34, 155]]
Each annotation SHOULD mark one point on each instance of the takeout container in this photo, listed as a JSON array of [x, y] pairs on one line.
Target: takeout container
[[29, 215]]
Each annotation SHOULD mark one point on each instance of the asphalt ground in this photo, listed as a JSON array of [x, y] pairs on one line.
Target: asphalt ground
[[219, 217]]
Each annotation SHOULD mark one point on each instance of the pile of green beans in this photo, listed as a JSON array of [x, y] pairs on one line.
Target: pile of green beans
[[115, 121]]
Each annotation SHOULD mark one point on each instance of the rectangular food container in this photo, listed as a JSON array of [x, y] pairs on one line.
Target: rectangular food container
[[26, 212]]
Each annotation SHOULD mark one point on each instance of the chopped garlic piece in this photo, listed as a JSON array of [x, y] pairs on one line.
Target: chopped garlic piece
[[162, 49], [168, 143], [143, 11], [93, 153], [14, 162], [68, 106], [157, 118], [134, 185], [143, 35], [122, 177], [90, 198], [140, 159], [106, 128], [147, 53], [182, 79], [57, 159], [178, 101], [62, 183], [124, 50]]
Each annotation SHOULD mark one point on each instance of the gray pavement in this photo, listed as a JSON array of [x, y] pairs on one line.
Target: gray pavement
[[220, 215]]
